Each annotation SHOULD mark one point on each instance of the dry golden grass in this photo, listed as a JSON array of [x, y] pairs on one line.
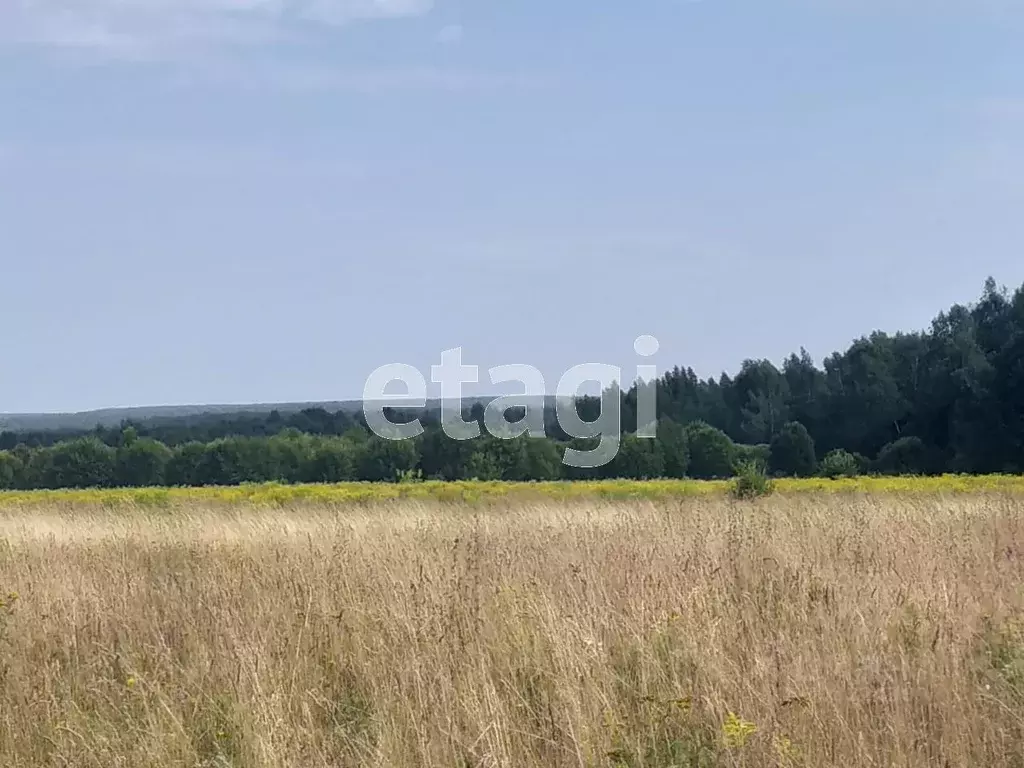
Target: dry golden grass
[[798, 631]]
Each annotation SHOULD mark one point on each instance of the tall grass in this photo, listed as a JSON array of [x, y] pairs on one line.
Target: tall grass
[[799, 630]]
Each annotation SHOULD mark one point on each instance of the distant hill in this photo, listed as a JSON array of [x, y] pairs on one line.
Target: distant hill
[[112, 417]]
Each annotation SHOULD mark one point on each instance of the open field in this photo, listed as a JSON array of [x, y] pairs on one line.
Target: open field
[[806, 629]]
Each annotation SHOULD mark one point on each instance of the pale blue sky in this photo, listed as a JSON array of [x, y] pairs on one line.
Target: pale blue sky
[[263, 200]]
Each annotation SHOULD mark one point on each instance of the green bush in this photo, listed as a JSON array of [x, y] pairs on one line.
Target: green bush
[[751, 481], [840, 463]]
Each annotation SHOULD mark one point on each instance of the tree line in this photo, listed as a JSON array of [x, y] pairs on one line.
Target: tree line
[[947, 399], [695, 450]]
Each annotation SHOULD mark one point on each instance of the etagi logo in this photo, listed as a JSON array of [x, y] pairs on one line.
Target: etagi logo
[[451, 374]]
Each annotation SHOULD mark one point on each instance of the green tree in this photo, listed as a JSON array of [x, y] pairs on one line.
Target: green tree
[[543, 459], [792, 452], [675, 448], [712, 453], [33, 463], [129, 434], [185, 465], [906, 456], [333, 460], [290, 455], [82, 463], [444, 458], [582, 444], [808, 392], [762, 393], [236, 460], [638, 459], [386, 460], [142, 463], [11, 469], [487, 459], [865, 401]]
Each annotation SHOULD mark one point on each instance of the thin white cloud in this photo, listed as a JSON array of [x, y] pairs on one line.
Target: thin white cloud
[[196, 42], [140, 27], [344, 11]]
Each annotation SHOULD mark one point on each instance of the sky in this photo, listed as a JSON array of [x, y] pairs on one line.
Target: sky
[[234, 201]]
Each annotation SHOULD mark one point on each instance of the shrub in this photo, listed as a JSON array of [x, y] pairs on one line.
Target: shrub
[[406, 476], [751, 481], [840, 463]]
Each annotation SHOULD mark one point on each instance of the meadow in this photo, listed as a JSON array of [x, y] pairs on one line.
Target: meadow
[[474, 491], [856, 623]]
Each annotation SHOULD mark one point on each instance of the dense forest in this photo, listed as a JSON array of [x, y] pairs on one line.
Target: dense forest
[[948, 399]]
